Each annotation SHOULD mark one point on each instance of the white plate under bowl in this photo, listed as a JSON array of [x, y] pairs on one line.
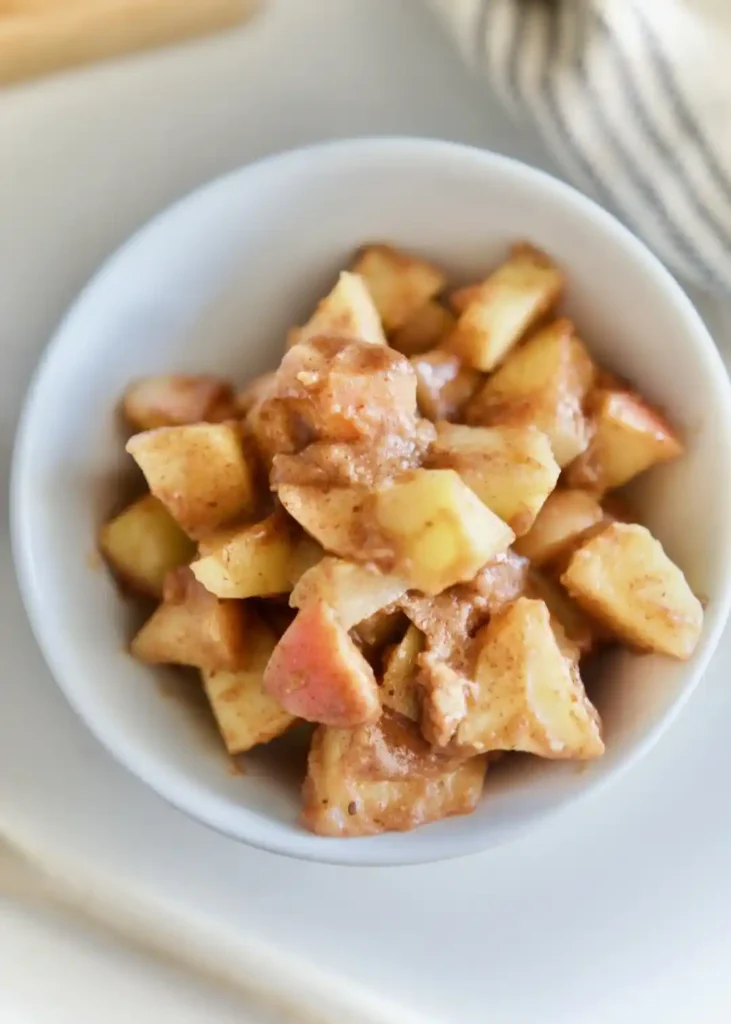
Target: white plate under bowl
[[212, 285]]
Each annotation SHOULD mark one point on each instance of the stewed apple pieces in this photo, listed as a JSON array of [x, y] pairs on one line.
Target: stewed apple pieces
[[400, 283], [498, 312], [544, 383], [347, 312], [625, 580], [316, 672], [511, 469], [628, 437], [143, 543], [349, 793], [528, 694], [410, 535], [200, 473], [426, 527], [245, 713]]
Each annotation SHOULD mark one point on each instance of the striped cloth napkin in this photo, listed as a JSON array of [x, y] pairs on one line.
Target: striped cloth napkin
[[634, 99]]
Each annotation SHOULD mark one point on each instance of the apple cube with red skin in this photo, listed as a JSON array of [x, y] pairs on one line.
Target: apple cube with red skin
[[317, 673]]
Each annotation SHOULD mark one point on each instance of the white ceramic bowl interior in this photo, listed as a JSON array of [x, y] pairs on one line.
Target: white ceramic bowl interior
[[212, 285]]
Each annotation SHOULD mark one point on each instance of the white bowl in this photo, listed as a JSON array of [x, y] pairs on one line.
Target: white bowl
[[213, 284]]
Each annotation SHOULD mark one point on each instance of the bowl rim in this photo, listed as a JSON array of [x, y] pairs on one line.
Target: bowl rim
[[376, 850]]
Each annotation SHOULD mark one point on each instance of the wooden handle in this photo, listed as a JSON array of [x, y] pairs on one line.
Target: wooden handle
[[39, 36]]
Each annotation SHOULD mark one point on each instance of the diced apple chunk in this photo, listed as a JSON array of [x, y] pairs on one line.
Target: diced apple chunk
[[399, 688], [331, 516], [505, 306], [143, 543], [441, 533], [176, 400], [423, 330], [246, 715], [399, 282], [354, 592], [199, 472], [511, 469], [564, 518], [444, 385], [578, 627], [528, 696], [543, 384], [338, 802], [192, 627], [305, 553], [248, 561], [317, 673], [624, 579], [347, 312], [628, 437], [426, 527]]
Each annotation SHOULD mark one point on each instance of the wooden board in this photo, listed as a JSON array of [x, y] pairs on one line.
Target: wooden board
[[39, 36]]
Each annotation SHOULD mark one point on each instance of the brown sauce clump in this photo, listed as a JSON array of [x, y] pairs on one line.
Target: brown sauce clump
[[340, 413]]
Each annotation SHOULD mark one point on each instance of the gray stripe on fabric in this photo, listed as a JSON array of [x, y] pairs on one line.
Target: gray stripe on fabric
[[602, 192], [483, 17], [625, 77], [579, 14], [682, 242], [519, 26], [497, 25], [563, 133], [683, 113]]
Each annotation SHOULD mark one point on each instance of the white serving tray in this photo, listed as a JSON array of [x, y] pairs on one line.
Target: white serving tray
[[620, 909]]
